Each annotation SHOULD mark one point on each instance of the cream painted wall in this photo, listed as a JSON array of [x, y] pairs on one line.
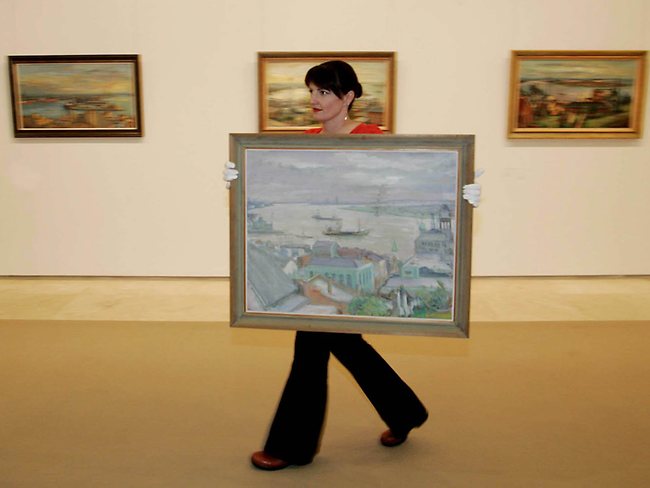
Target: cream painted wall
[[157, 206]]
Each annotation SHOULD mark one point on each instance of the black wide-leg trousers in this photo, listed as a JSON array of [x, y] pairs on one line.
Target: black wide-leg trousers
[[295, 432]]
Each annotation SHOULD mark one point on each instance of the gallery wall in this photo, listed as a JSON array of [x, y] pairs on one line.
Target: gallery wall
[[156, 205]]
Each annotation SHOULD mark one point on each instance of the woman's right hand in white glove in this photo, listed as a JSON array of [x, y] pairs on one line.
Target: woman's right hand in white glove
[[229, 174]]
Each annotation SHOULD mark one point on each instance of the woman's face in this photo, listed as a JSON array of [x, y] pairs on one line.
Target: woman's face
[[326, 105]]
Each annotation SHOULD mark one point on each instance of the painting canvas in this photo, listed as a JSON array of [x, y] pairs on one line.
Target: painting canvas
[[284, 98], [351, 234], [73, 96], [572, 94]]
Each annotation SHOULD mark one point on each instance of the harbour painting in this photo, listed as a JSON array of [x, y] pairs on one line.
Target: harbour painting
[[284, 98], [355, 234], [576, 94], [94, 95]]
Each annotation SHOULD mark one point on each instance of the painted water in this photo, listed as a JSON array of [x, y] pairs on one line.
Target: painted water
[[294, 224], [55, 108]]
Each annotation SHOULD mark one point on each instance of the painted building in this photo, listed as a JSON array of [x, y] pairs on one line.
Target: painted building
[[425, 266], [294, 251], [433, 241], [379, 262], [437, 241], [351, 273], [325, 292], [325, 249], [268, 288]]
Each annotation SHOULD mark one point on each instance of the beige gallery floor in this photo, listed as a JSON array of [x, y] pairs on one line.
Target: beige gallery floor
[[108, 382]]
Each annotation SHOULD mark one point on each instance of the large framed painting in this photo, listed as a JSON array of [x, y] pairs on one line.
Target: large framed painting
[[76, 95], [284, 104], [357, 233], [576, 94]]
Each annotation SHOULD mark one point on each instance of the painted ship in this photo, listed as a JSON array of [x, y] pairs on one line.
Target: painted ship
[[338, 231], [318, 216]]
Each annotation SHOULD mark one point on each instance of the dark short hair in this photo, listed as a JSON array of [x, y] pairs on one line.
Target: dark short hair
[[337, 76]]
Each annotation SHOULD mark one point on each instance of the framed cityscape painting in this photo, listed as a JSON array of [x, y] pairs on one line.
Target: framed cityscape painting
[[576, 94], [76, 95], [357, 233], [284, 104]]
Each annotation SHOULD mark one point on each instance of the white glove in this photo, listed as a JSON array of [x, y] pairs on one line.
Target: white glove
[[472, 192], [229, 174]]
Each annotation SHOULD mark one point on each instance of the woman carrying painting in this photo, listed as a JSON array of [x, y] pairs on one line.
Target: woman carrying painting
[[295, 432]]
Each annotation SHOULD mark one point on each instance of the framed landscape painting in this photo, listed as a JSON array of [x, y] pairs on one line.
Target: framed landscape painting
[[284, 104], [76, 95], [364, 233], [576, 94]]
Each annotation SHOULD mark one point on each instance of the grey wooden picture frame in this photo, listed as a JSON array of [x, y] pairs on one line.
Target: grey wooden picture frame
[[356, 234]]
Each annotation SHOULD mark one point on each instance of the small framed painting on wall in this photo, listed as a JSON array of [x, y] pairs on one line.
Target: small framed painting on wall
[[284, 98], [576, 94], [76, 95]]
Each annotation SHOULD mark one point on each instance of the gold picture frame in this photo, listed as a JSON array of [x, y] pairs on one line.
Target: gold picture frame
[[284, 99], [576, 94]]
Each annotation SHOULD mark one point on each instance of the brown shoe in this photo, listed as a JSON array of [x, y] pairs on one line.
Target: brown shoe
[[392, 439], [389, 439], [262, 460]]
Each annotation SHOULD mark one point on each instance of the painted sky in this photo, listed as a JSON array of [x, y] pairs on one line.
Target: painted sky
[[351, 176], [295, 71], [624, 69], [76, 78]]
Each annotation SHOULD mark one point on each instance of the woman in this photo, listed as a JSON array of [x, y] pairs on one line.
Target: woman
[[333, 87], [295, 432]]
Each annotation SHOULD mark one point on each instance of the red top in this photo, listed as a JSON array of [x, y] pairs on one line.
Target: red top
[[359, 129]]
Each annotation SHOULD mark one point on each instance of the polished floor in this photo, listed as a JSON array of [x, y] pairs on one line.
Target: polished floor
[[108, 382]]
